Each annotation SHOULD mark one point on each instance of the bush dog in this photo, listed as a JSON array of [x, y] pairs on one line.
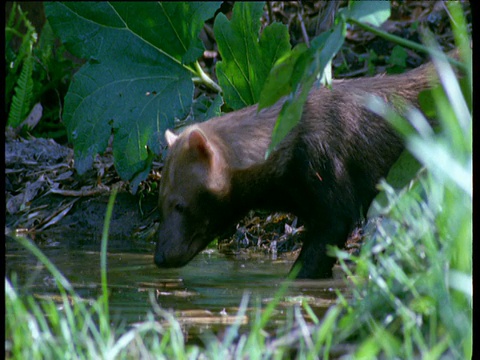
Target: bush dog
[[325, 171]]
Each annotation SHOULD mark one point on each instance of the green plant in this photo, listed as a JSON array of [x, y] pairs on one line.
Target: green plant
[[19, 81], [77, 329], [37, 74], [143, 59], [413, 293], [41, 330], [397, 60]]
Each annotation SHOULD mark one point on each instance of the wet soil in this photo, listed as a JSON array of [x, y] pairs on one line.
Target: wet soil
[[45, 197]]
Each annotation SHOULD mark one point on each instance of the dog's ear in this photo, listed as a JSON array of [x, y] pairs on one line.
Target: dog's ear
[[170, 137]]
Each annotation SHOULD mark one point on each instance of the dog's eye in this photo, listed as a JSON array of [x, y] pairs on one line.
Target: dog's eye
[[179, 208]]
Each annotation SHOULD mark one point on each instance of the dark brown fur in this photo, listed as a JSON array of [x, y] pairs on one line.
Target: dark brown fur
[[325, 171]]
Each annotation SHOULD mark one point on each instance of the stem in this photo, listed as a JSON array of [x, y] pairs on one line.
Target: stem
[[403, 42], [206, 79], [103, 252]]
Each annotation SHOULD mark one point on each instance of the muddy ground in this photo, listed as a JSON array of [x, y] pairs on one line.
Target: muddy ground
[[44, 195]]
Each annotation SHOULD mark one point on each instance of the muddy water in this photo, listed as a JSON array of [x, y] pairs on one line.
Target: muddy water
[[204, 294]]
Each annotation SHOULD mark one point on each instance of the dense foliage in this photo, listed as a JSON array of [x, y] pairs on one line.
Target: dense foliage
[[142, 61], [37, 77], [412, 287]]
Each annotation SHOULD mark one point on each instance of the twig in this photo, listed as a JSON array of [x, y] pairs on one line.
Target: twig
[[302, 25], [79, 193], [270, 12]]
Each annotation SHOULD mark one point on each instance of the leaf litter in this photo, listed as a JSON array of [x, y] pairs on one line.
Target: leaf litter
[[42, 188]]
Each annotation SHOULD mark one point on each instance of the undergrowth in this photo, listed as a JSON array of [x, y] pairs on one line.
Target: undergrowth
[[38, 73], [412, 287]]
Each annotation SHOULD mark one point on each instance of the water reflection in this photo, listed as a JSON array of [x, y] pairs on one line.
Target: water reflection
[[208, 290]]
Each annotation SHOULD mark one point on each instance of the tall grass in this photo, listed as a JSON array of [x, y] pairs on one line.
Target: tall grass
[[79, 330], [413, 281]]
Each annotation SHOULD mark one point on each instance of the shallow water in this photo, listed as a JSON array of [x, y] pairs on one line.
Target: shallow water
[[204, 294]]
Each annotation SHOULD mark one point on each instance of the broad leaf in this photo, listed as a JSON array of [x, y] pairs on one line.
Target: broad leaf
[[282, 79], [400, 175], [370, 12], [134, 84], [308, 65], [205, 108], [171, 27], [246, 58]]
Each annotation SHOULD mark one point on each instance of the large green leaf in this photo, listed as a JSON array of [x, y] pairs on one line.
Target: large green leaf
[[134, 83], [400, 175], [370, 12], [246, 58], [284, 77], [303, 68], [172, 27]]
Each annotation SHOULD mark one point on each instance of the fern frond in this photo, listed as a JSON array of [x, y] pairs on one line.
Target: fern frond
[[28, 35], [22, 99], [9, 25]]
